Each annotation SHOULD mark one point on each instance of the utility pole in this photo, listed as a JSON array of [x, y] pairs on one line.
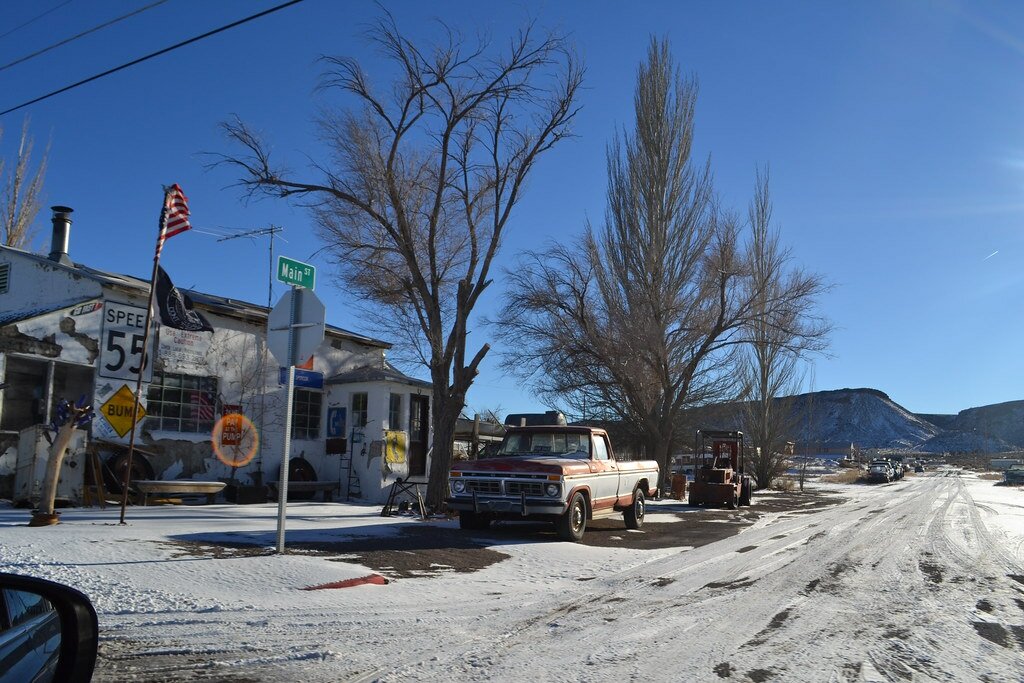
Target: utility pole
[[252, 235]]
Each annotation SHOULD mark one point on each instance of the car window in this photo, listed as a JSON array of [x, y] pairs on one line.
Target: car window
[[559, 443], [22, 606], [600, 448]]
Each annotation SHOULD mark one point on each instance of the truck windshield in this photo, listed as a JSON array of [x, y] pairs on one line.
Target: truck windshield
[[572, 445]]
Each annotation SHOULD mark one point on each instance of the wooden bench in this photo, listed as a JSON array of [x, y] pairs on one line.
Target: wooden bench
[[178, 487], [307, 487]]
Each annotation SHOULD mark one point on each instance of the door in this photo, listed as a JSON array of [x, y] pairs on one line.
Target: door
[[419, 432]]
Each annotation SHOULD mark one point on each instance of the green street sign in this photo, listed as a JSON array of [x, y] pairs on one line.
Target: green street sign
[[292, 272]]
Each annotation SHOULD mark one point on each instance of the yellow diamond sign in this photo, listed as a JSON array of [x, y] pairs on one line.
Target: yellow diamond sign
[[118, 410]]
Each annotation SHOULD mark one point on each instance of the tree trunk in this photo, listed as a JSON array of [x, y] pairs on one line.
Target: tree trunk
[[660, 450], [443, 417], [57, 451]]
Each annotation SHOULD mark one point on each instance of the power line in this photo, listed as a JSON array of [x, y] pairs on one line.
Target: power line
[[81, 35], [151, 56], [34, 19]]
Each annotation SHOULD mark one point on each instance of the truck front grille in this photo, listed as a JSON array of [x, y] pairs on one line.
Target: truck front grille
[[515, 488], [490, 487]]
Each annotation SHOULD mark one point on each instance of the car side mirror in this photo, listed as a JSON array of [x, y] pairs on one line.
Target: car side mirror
[[48, 631]]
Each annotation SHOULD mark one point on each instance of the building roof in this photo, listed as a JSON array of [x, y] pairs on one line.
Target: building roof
[[217, 304], [8, 317], [376, 373]]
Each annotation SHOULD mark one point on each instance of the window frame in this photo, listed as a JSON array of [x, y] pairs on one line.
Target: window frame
[[172, 388], [360, 416], [307, 414], [395, 411]]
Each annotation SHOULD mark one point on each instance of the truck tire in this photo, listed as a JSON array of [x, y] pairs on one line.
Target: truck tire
[[735, 502], [473, 521], [634, 514], [573, 523]]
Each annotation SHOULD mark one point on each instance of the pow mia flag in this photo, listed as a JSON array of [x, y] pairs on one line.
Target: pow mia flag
[[176, 308]]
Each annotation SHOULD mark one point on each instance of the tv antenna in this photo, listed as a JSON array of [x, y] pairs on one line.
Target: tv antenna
[[272, 231]]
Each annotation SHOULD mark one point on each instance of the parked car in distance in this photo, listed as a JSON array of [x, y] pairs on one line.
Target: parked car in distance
[[48, 632], [1014, 475], [918, 467], [880, 471]]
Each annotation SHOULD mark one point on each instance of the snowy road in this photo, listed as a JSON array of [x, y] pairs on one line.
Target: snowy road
[[909, 584], [921, 580]]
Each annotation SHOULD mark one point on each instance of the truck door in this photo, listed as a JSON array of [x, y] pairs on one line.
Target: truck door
[[606, 477]]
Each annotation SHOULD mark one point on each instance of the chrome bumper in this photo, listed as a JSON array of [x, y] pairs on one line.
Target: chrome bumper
[[521, 506]]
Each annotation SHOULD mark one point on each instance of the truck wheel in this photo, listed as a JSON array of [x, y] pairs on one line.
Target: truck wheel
[[573, 523], [472, 521], [745, 492], [735, 502], [634, 514]]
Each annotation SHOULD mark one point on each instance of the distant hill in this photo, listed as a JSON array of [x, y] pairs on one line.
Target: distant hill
[[829, 421], [1003, 421], [867, 418]]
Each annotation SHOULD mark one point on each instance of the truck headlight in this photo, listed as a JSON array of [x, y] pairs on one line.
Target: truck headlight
[[551, 489], [458, 486]]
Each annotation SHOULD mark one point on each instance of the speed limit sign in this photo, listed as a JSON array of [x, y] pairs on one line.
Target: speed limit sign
[[124, 329]]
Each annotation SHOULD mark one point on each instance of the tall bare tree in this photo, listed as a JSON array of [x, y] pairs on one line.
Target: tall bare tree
[[647, 315], [782, 330], [419, 182], [634, 319], [20, 190]]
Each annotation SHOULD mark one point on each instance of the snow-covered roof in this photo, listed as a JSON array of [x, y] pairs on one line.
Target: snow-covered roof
[[8, 317], [376, 373], [217, 304]]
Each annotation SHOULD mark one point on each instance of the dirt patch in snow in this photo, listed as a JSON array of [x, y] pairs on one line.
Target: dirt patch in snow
[[429, 550], [695, 526], [425, 550]]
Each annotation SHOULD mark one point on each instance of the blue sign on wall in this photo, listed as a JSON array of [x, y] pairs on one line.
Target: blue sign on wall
[[335, 423], [304, 379]]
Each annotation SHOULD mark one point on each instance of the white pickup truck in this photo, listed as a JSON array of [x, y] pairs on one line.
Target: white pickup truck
[[558, 473]]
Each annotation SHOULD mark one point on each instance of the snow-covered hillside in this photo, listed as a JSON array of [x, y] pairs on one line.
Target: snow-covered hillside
[[865, 417]]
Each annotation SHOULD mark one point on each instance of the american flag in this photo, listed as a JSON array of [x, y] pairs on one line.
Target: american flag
[[175, 219], [202, 406]]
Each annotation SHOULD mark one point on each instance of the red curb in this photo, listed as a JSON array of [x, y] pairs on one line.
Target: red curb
[[375, 579]]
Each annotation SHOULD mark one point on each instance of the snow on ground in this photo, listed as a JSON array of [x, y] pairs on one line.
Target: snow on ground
[[922, 579]]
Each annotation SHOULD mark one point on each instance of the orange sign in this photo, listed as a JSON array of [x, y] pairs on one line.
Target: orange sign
[[232, 426]]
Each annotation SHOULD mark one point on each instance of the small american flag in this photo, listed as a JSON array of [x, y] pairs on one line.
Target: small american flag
[[175, 219], [202, 406]]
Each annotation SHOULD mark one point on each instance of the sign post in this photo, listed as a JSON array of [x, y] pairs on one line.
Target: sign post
[[295, 328]]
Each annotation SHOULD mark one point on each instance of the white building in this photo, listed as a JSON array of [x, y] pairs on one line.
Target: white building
[[67, 330]]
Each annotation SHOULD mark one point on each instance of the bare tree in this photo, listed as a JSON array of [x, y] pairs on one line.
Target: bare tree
[[635, 320], [782, 330], [648, 316], [419, 182], [20, 190]]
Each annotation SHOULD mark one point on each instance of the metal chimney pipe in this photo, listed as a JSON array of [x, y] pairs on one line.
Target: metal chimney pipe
[[61, 235]]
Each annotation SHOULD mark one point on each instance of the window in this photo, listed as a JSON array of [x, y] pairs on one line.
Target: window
[[395, 412], [359, 417], [181, 403], [23, 606], [5, 276], [306, 414], [600, 448]]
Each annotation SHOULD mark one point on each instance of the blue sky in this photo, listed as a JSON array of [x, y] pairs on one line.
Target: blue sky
[[894, 133]]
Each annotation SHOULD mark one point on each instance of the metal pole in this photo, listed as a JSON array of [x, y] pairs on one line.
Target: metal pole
[[143, 362], [282, 481]]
